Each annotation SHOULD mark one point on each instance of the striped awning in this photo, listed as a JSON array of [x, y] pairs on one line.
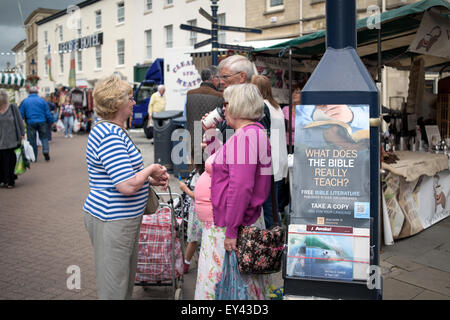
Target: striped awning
[[12, 79]]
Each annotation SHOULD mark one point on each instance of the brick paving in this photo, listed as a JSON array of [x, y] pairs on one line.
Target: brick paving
[[42, 233]]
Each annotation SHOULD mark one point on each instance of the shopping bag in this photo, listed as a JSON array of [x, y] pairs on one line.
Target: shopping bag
[[29, 152], [59, 125], [231, 286], [22, 163], [76, 126]]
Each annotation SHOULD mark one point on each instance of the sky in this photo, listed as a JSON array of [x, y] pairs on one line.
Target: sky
[[12, 18]]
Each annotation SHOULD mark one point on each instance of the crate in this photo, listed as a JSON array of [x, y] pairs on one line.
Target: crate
[[443, 114]]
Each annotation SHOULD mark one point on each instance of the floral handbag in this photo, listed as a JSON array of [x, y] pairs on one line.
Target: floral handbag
[[260, 251]]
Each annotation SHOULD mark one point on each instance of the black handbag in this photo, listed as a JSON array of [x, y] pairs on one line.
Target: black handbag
[[260, 251]]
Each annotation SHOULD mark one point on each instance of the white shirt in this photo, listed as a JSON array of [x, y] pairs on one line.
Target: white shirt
[[278, 142]]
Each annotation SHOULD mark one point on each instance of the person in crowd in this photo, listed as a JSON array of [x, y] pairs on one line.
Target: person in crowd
[[277, 143], [12, 133], [157, 101], [36, 113], [119, 186], [233, 70], [200, 101], [67, 114], [237, 181], [194, 230], [52, 108], [296, 100]]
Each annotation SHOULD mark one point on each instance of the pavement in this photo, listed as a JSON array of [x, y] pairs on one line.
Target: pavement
[[44, 244]]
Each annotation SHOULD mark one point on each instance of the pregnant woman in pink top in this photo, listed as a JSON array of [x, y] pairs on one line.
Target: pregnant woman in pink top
[[231, 191]]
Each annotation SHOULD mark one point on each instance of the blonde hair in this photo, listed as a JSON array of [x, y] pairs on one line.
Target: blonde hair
[[265, 88], [109, 94], [244, 101]]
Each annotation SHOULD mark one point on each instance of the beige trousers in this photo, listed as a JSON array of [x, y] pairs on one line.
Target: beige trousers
[[116, 245]]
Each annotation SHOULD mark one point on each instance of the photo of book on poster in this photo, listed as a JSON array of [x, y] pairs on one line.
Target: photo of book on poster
[[331, 165]]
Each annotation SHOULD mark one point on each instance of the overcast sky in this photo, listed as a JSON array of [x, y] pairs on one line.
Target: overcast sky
[[11, 22]]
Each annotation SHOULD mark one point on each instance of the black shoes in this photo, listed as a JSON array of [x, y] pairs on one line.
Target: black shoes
[[47, 157]]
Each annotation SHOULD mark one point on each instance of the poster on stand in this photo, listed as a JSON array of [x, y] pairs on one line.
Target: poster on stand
[[326, 252], [332, 165], [329, 235]]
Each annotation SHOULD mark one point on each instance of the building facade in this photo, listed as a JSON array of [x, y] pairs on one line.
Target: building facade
[[31, 31], [20, 66], [112, 36]]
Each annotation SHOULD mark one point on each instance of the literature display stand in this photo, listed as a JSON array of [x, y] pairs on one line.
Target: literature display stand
[[333, 231]]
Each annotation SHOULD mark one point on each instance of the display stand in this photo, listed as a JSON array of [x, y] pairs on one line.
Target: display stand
[[333, 240]]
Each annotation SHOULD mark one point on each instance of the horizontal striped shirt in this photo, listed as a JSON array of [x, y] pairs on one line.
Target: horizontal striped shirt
[[112, 158]]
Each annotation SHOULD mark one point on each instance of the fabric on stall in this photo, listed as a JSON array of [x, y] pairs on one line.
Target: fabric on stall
[[414, 164]]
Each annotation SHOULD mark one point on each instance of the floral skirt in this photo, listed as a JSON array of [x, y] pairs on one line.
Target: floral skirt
[[194, 230], [210, 264]]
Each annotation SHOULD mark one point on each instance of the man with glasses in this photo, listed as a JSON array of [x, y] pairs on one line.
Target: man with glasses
[[238, 69]]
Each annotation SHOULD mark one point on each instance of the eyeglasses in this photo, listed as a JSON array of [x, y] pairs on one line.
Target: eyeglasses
[[225, 104], [130, 99], [227, 76]]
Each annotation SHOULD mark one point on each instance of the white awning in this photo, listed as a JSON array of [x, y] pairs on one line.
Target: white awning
[[12, 79]]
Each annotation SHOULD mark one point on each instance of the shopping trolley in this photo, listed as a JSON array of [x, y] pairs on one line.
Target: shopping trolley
[[161, 247]]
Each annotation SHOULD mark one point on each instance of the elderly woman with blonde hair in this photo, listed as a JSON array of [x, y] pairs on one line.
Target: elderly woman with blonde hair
[[118, 193], [239, 183]]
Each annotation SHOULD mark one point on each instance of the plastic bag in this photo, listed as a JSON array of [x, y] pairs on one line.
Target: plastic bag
[[22, 163], [76, 126], [29, 152], [231, 286], [59, 125]]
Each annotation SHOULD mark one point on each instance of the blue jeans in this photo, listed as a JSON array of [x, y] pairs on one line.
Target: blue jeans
[[68, 125], [42, 128], [267, 206]]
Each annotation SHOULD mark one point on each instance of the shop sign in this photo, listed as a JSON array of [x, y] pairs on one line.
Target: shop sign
[[81, 43]]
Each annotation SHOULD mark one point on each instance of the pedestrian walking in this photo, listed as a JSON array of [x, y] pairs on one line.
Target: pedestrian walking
[[68, 114], [240, 183], [52, 108], [36, 113], [11, 135], [119, 188]]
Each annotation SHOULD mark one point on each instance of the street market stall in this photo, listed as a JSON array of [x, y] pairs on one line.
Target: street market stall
[[412, 37]]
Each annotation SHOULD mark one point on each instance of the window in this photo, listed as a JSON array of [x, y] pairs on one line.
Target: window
[[79, 60], [169, 36], [169, 2], [61, 63], [120, 12], [98, 57], [192, 34], [148, 44], [61, 33], [79, 28], [274, 5], [148, 4], [98, 19], [121, 52], [46, 37], [221, 37]]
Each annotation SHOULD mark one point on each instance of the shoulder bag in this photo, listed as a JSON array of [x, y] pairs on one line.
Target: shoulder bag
[[260, 251], [153, 199]]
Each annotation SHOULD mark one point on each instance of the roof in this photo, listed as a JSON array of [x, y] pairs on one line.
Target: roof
[[19, 45], [398, 29], [36, 11], [64, 11]]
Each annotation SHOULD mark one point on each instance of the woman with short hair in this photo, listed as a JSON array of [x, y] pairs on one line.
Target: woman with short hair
[[237, 180], [119, 186], [11, 135]]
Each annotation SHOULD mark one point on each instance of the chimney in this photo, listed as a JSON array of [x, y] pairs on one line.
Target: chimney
[[341, 23]]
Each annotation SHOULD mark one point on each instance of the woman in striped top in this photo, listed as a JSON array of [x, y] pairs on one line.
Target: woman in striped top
[[118, 183]]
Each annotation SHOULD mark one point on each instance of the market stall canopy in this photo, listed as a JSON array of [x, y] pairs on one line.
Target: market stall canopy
[[398, 30], [12, 79]]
